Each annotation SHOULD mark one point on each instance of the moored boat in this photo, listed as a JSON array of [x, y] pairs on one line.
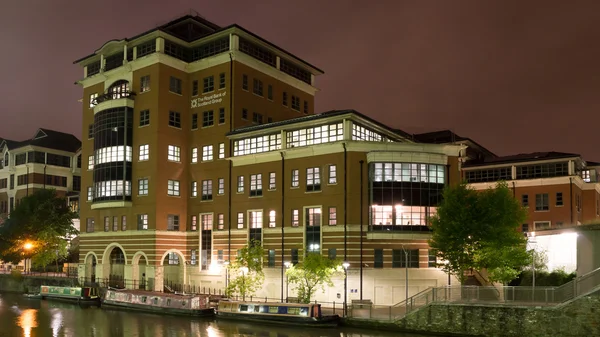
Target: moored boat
[[274, 312], [164, 303], [83, 295]]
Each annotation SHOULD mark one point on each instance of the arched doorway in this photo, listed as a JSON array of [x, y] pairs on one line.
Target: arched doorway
[[140, 278], [90, 268], [116, 268], [174, 271]]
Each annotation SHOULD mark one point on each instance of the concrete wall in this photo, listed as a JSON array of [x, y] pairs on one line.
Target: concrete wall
[[577, 318], [19, 284], [588, 251]]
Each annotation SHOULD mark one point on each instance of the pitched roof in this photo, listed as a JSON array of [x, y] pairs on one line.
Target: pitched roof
[[49, 139], [447, 136], [523, 157]]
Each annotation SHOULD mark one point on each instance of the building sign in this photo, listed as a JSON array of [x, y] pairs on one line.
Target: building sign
[[208, 99]]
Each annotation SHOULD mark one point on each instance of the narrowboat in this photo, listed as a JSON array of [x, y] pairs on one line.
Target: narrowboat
[[275, 312], [83, 295], [164, 303]]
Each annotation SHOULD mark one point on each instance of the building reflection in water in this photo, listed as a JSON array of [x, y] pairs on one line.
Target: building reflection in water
[[56, 322], [27, 321]]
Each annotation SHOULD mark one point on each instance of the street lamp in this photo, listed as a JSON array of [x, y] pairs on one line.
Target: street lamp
[[287, 265], [27, 246], [226, 264], [244, 271], [345, 265]]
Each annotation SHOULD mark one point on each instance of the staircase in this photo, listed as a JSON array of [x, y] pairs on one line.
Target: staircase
[[501, 295]]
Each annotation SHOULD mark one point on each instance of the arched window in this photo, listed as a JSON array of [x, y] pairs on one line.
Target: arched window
[[119, 89]]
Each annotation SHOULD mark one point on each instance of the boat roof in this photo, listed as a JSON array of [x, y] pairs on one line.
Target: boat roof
[[155, 294], [272, 303]]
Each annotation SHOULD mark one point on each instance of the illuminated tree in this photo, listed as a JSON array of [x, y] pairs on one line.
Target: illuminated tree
[[42, 219], [312, 274], [246, 271], [478, 230]]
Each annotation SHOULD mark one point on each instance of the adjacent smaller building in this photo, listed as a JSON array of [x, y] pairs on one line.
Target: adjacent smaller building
[[49, 159]]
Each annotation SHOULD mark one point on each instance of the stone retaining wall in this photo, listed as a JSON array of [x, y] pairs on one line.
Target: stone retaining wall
[[16, 283]]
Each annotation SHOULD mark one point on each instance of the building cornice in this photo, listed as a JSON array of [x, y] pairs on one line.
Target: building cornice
[[576, 180]]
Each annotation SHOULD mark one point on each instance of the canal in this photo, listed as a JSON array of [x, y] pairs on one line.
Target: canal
[[22, 317]]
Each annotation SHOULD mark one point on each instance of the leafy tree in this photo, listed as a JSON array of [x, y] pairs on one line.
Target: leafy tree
[[312, 274], [246, 271], [478, 230], [42, 219]]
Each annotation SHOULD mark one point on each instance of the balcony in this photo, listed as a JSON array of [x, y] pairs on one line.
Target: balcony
[[109, 96], [399, 228]]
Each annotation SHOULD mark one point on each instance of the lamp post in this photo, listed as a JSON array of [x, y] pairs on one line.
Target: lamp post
[[226, 264], [244, 271], [27, 246], [345, 265], [287, 265]]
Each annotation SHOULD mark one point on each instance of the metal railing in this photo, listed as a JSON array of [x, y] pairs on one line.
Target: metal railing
[[485, 295]]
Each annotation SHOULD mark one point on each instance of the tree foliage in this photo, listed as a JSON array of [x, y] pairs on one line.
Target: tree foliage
[[312, 274], [42, 219], [246, 272], [478, 230]]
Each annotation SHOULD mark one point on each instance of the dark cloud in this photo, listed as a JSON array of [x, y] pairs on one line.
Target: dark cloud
[[517, 76]]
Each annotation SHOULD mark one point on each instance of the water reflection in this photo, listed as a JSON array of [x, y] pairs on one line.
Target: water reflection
[[27, 321], [34, 318]]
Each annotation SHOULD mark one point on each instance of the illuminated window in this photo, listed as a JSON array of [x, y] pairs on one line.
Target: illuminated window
[[206, 221], [312, 217], [221, 189], [106, 224], [173, 187], [332, 174], [194, 155], [332, 216], [207, 153], [194, 223], [124, 223], [221, 221], [257, 144], [119, 89], [585, 175], [364, 134], [115, 223], [90, 163], [313, 179], [221, 150], [255, 185], [272, 218], [295, 178], [240, 220], [144, 152], [173, 259], [194, 191], [143, 186], [112, 154], [93, 99], [240, 184], [409, 172], [90, 193], [315, 135], [174, 153], [206, 189], [272, 184], [142, 220], [255, 219], [295, 218]]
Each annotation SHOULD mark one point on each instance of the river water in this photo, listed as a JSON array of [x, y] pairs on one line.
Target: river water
[[23, 317]]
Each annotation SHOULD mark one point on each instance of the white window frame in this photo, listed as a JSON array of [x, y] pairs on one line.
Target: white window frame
[[194, 155], [272, 181], [207, 153], [295, 178], [194, 191], [174, 153], [221, 150], [272, 219], [143, 186], [221, 186], [173, 188], [144, 152], [332, 175]]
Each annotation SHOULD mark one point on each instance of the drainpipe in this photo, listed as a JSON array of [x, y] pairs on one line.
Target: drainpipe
[[345, 203], [571, 198], [282, 220], [361, 228]]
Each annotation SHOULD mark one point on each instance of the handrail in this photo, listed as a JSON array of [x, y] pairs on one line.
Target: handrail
[[403, 302]]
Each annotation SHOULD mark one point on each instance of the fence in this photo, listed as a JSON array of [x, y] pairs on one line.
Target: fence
[[501, 295]]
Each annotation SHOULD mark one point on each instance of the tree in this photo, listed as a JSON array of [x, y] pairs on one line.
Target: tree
[[478, 230], [247, 271], [42, 219], [311, 274]]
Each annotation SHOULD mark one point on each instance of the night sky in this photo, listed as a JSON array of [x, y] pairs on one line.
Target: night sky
[[515, 76]]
